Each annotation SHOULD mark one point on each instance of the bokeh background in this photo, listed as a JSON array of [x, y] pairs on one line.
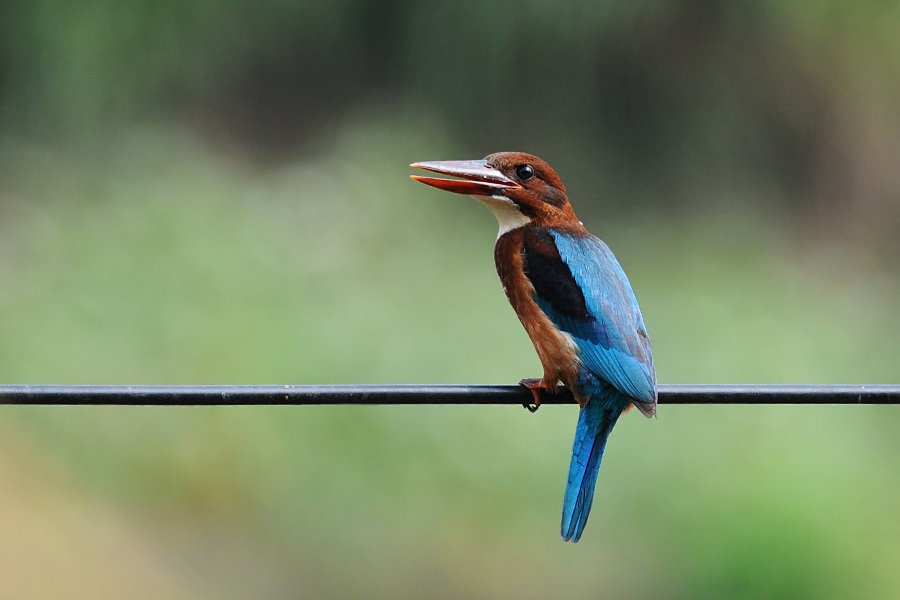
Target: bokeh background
[[216, 192]]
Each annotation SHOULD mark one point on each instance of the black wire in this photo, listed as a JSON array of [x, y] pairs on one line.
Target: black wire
[[210, 395]]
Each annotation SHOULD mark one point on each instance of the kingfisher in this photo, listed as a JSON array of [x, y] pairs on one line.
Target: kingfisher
[[572, 297]]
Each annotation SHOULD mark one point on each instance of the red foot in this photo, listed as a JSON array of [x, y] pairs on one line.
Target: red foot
[[536, 386]]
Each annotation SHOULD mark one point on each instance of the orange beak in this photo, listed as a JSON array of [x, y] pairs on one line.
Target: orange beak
[[478, 178]]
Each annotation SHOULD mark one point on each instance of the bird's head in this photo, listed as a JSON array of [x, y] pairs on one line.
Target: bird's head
[[519, 188]]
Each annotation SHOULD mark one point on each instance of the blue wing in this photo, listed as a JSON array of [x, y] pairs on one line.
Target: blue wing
[[585, 293]]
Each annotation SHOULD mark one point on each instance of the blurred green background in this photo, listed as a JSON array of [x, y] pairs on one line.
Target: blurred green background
[[217, 192]]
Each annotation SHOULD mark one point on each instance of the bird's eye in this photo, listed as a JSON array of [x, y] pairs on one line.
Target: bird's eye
[[524, 172]]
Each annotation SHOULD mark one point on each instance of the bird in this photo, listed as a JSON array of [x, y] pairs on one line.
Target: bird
[[573, 299]]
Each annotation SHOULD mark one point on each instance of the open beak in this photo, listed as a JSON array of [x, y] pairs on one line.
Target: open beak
[[478, 179]]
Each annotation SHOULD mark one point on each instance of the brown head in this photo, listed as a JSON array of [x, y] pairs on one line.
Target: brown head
[[519, 188]]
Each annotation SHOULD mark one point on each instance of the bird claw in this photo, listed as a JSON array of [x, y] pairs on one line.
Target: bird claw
[[535, 385]]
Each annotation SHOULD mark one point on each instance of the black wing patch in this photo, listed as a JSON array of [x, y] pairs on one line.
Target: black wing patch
[[550, 275]]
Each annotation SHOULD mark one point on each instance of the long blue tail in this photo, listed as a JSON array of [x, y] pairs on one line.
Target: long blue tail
[[595, 423]]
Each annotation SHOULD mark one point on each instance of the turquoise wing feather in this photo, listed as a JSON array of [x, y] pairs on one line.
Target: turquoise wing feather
[[611, 337]]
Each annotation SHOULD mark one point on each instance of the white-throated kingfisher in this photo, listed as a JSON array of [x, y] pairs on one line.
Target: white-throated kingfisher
[[573, 299]]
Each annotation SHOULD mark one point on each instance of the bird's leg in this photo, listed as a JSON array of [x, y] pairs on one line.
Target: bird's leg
[[536, 386]]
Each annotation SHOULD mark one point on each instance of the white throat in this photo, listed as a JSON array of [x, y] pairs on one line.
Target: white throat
[[509, 216]]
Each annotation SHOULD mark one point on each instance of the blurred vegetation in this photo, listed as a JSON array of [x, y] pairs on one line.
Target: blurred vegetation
[[204, 192], [661, 103]]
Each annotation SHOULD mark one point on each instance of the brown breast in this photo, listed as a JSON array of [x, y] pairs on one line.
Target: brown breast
[[556, 349]]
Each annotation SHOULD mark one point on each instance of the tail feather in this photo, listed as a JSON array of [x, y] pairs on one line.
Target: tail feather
[[595, 422]]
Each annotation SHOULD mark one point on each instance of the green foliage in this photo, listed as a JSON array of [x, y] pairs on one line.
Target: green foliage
[[653, 102]]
